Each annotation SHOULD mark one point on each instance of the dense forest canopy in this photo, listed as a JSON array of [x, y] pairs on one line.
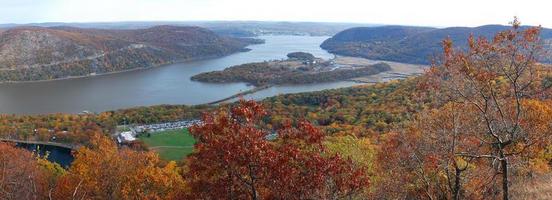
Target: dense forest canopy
[[301, 56], [267, 73], [38, 53], [409, 44]]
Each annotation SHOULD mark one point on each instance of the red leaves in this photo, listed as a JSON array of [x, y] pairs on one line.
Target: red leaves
[[248, 111], [233, 159], [305, 132]]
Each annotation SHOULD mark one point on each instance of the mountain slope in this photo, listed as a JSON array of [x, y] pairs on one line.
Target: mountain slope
[[36, 53], [417, 45]]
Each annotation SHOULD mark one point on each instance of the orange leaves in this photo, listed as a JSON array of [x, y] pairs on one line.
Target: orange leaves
[[496, 83], [68, 128], [532, 34], [21, 177], [512, 54], [105, 172], [447, 47], [536, 125]]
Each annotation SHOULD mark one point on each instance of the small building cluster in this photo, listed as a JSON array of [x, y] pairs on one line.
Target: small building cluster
[[133, 131], [152, 128]]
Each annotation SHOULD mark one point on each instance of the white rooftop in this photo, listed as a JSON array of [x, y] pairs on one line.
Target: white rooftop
[[127, 136]]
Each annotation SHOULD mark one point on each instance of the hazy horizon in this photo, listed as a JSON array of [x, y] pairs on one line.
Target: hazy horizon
[[434, 13]]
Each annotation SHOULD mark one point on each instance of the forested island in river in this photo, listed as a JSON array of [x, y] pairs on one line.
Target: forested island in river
[[299, 68]]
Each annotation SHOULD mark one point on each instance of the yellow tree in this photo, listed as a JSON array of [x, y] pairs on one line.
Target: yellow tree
[[360, 150], [102, 171]]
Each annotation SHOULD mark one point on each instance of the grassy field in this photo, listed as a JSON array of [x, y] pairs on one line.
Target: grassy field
[[171, 145]]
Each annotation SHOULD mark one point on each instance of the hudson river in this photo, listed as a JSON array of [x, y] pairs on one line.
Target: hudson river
[[169, 84]]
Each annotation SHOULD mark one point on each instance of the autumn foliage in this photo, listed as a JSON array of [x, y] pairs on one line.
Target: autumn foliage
[[21, 175], [103, 171], [497, 85], [475, 126], [234, 159]]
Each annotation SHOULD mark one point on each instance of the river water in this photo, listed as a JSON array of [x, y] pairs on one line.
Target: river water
[[169, 84], [59, 155]]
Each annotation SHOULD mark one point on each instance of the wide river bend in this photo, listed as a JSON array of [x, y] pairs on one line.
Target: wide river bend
[[168, 84]]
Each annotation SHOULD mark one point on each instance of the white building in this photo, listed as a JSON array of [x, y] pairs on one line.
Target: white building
[[126, 136]]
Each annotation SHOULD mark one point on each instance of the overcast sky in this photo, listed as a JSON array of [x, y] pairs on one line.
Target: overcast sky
[[404, 12]]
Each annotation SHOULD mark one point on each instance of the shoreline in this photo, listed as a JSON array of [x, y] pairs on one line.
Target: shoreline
[[398, 71], [123, 71]]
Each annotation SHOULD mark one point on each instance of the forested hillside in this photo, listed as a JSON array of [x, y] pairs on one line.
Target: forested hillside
[[36, 53], [417, 45], [477, 125]]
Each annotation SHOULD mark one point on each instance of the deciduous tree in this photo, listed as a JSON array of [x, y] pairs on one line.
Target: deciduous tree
[[234, 159], [102, 171], [497, 79], [20, 174]]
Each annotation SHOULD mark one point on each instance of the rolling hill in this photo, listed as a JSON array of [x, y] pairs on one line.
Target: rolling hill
[[39, 53], [228, 28], [408, 44]]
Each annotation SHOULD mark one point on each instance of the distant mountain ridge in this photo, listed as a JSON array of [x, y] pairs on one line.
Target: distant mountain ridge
[[408, 44], [39, 53], [227, 28]]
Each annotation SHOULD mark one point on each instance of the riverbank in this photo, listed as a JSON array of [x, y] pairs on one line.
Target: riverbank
[[398, 70], [167, 85], [127, 70]]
